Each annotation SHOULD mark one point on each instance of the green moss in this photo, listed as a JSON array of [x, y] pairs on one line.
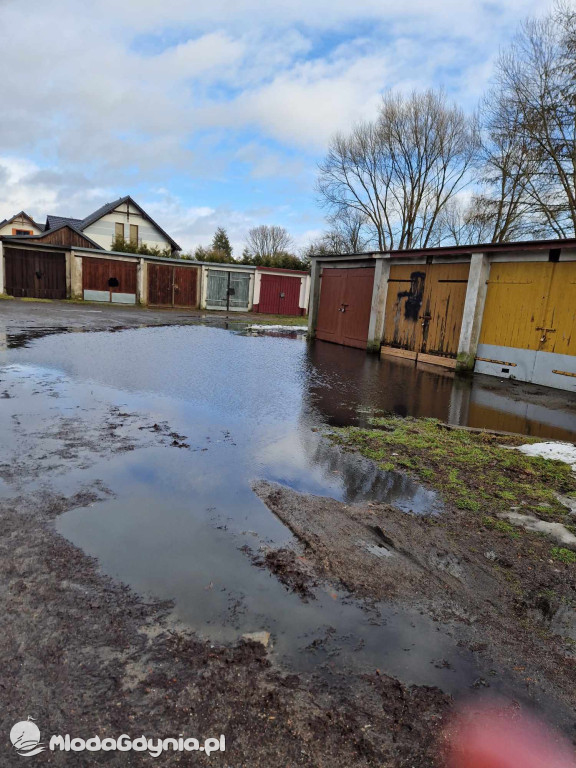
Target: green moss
[[500, 525], [563, 555], [474, 471]]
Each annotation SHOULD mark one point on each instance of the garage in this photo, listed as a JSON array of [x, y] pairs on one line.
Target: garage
[[529, 324], [229, 289], [345, 305], [279, 293], [424, 308], [172, 286], [37, 274], [112, 280]]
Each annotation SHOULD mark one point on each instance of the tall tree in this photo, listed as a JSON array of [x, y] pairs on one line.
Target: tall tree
[[268, 241], [400, 171], [221, 243], [536, 80]]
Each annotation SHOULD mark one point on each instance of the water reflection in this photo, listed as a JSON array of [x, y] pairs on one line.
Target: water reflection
[[348, 387]]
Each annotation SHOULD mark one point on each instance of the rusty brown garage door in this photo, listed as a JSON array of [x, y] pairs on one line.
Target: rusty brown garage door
[[424, 309], [109, 280], [345, 303], [279, 295], [172, 286], [35, 274]]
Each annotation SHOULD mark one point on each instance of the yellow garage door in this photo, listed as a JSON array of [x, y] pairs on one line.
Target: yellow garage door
[[529, 324]]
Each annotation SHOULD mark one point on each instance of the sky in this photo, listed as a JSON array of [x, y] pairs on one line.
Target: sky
[[216, 113]]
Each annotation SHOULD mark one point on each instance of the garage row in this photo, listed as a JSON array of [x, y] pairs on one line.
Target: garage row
[[49, 272], [507, 310]]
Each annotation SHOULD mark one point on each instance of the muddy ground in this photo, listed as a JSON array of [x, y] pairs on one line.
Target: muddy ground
[[84, 654], [81, 651], [451, 571]]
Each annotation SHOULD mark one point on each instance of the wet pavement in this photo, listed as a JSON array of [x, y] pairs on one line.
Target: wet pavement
[[184, 524]]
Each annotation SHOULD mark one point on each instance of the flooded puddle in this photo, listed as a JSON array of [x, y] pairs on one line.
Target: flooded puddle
[[184, 524]]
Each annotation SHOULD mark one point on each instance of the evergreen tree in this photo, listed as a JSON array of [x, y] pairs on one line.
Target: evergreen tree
[[220, 242]]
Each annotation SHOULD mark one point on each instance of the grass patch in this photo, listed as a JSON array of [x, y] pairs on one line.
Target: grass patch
[[563, 555], [500, 525], [473, 471]]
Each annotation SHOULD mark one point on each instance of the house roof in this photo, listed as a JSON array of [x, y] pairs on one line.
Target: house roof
[[22, 213], [53, 222], [27, 238], [81, 224]]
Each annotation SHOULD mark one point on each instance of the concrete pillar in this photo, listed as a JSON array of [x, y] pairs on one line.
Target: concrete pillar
[[2, 268], [76, 276], [69, 257], [473, 311], [141, 292], [378, 307], [314, 298]]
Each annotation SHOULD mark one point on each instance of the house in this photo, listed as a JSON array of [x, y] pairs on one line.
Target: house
[[20, 224], [122, 218]]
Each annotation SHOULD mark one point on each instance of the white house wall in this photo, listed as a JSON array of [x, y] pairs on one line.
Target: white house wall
[[20, 222], [103, 231]]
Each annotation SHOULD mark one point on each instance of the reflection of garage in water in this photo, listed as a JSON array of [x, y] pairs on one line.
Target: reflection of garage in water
[[230, 289], [111, 280]]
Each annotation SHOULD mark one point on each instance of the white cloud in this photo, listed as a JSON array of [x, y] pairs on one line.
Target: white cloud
[[99, 98]]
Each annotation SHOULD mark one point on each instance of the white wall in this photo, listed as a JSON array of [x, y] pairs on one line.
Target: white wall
[[20, 222], [103, 231]]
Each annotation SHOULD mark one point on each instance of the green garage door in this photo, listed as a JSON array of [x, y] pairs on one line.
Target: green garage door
[[226, 288]]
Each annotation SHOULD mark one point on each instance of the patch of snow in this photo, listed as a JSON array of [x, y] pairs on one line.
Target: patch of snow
[[568, 501], [277, 328], [565, 452], [555, 531]]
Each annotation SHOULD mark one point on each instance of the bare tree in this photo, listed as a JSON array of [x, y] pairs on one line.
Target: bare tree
[[400, 171], [536, 79], [268, 241]]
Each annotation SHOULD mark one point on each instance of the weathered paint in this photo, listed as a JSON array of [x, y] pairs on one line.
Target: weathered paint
[[424, 309], [34, 273]]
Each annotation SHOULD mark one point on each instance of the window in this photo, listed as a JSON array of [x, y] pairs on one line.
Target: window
[[133, 233], [119, 229], [22, 232]]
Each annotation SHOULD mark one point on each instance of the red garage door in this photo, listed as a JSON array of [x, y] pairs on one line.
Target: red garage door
[[344, 308], [109, 280], [170, 286], [279, 295]]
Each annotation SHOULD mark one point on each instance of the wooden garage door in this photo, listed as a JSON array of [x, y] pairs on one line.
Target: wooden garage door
[[109, 280], [345, 304], [35, 274], [279, 295], [172, 286], [424, 309], [529, 323]]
